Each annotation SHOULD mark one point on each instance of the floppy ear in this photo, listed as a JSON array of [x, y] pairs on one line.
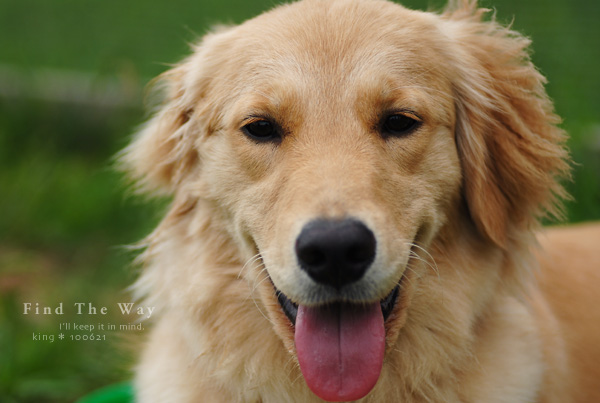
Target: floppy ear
[[163, 153], [511, 150]]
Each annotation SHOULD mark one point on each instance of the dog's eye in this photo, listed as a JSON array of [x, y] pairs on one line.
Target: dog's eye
[[399, 124], [261, 130]]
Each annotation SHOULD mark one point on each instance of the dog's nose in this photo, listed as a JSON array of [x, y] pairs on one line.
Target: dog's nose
[[335, 252]]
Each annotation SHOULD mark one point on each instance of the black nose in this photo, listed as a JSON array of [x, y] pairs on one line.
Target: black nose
[[335, 252]]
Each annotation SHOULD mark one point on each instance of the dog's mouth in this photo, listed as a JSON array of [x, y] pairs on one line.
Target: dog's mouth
[[340, 346], [290, 309]]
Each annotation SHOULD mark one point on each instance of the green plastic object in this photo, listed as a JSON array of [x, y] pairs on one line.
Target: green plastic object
[[117, 393]]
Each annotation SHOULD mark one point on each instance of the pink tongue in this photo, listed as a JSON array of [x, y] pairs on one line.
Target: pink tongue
[[340, 349]]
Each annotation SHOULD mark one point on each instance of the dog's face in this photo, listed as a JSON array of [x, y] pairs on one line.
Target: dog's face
[[335, 158], [333, 150], [335, 140]]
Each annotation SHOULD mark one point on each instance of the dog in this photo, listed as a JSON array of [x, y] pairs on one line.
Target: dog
[[357, 190]]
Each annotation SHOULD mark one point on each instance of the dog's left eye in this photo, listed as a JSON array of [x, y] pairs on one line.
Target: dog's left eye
[[261, 130], [399, 124]]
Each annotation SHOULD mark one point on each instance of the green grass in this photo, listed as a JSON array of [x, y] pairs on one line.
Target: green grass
[[65, 214], [65, 219]]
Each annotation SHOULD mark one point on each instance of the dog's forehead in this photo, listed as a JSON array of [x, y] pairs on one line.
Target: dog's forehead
[[316, 49], [339, 36]]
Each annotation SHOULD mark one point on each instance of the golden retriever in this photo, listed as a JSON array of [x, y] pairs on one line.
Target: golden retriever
[[356, 190]]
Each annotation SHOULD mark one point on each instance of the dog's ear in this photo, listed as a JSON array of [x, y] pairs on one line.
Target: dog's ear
[[511, 150], [163, 153]]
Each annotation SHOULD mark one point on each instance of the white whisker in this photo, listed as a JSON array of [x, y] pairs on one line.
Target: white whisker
[[250, 261], [407, 279], [433, 265], [257, 284], [261, 311], [415, 256]]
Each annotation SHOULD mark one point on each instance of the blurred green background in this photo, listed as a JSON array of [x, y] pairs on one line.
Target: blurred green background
[[72, 79]]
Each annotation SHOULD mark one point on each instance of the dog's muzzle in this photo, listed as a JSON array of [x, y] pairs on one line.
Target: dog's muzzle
[[340, 345]]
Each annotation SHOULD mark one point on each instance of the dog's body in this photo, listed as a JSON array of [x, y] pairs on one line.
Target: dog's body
[[356, 189]]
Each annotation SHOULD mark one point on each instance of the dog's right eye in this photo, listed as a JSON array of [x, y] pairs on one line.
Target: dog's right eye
[[399, 124], [262, 130]]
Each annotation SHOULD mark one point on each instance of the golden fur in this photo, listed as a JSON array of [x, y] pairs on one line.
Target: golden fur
[[454, 206]]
